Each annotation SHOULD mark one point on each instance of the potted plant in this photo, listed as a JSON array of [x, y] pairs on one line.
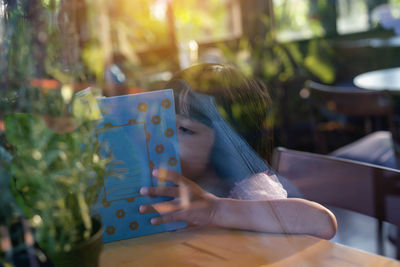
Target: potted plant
[[47, 49], [18, 247], [56, 179], [56, 168]]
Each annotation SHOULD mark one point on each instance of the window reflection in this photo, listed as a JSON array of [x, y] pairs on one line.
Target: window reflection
[[352, 16], [293, 19]]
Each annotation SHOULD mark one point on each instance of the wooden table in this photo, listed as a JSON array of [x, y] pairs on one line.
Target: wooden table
[[385, 79], [219, 247]]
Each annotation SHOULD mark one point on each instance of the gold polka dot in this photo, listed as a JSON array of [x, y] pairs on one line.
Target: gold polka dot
[[133, 225], [166, 103], [130, 199], [159, 149], [106, 203], [120, 214], [110, 230], [172, 161], [169, 132], [142, 107], [156, 120], [148, 136]]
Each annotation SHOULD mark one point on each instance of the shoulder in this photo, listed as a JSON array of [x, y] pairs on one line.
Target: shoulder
[[259, 186]]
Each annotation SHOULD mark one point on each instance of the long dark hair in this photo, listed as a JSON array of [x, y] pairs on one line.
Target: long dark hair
[[243, 102], [236, 107]]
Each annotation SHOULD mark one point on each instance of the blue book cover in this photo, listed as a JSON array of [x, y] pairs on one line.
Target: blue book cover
[[140, 131]]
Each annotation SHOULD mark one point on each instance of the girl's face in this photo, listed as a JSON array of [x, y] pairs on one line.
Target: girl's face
[[195, 141]]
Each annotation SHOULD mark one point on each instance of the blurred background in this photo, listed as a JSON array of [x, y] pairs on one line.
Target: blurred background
[[137, 45], [53, 48]]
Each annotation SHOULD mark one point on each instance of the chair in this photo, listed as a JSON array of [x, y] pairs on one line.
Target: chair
[[364, 188], [337, 104]]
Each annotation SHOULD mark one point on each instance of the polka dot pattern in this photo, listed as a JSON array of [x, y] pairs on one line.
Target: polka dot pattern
[[156, 120], [166, 103], [142, 107], [152, 115], [120, 214], [110, 230], [133, 225], [159, 149], [169, 132], [172, 162]]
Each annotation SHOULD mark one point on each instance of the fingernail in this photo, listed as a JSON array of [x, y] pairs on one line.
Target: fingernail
[[153, 221], [144, 191], [157, 173], [142, 208]]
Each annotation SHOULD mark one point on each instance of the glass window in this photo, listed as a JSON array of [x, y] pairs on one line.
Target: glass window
[[296, 19], [141, 23], [1, 20], [352, 16], [206, 20]]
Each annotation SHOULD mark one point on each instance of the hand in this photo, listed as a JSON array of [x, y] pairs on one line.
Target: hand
[[191, 204]]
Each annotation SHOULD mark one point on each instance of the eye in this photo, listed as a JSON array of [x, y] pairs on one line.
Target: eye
[[186, 130]]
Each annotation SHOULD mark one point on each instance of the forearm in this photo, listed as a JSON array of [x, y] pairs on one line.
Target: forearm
[[292, 216]]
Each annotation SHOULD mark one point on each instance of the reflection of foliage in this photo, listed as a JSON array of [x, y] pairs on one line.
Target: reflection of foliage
[[17, 60], [135, 23], [57, 177], [32, 48], [118, 27], [319, 61], [296, 19], [7, 208], [200, 20], [278, 64], [73, 40], [121, 32], [324, 12]]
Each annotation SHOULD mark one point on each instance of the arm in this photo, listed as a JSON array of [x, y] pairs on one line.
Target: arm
[[291, 216]]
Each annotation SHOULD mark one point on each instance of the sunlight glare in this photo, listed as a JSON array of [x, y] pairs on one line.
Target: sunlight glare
[[158, 10]]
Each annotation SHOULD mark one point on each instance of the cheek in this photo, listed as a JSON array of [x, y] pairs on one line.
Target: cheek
[[195, 154]]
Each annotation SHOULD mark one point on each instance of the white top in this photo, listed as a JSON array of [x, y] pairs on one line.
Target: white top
[[259, 186], [386, 79]]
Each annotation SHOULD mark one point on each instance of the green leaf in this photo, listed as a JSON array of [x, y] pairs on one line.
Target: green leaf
[[85, 213], [25, 130]]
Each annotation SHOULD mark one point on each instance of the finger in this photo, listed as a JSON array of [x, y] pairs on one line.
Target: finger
[[176, 178], [167, 191], [144, 209], [187, 187], [166, 175], [162, 207], [170, 217]]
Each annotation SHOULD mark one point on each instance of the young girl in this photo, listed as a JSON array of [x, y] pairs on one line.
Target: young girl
[[224, 182]]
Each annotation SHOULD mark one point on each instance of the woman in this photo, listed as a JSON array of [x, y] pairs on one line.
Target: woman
[[224, 182]]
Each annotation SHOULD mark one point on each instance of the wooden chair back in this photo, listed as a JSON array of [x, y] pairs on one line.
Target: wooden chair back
[[365, 104], [351, 102], [365, 188]]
